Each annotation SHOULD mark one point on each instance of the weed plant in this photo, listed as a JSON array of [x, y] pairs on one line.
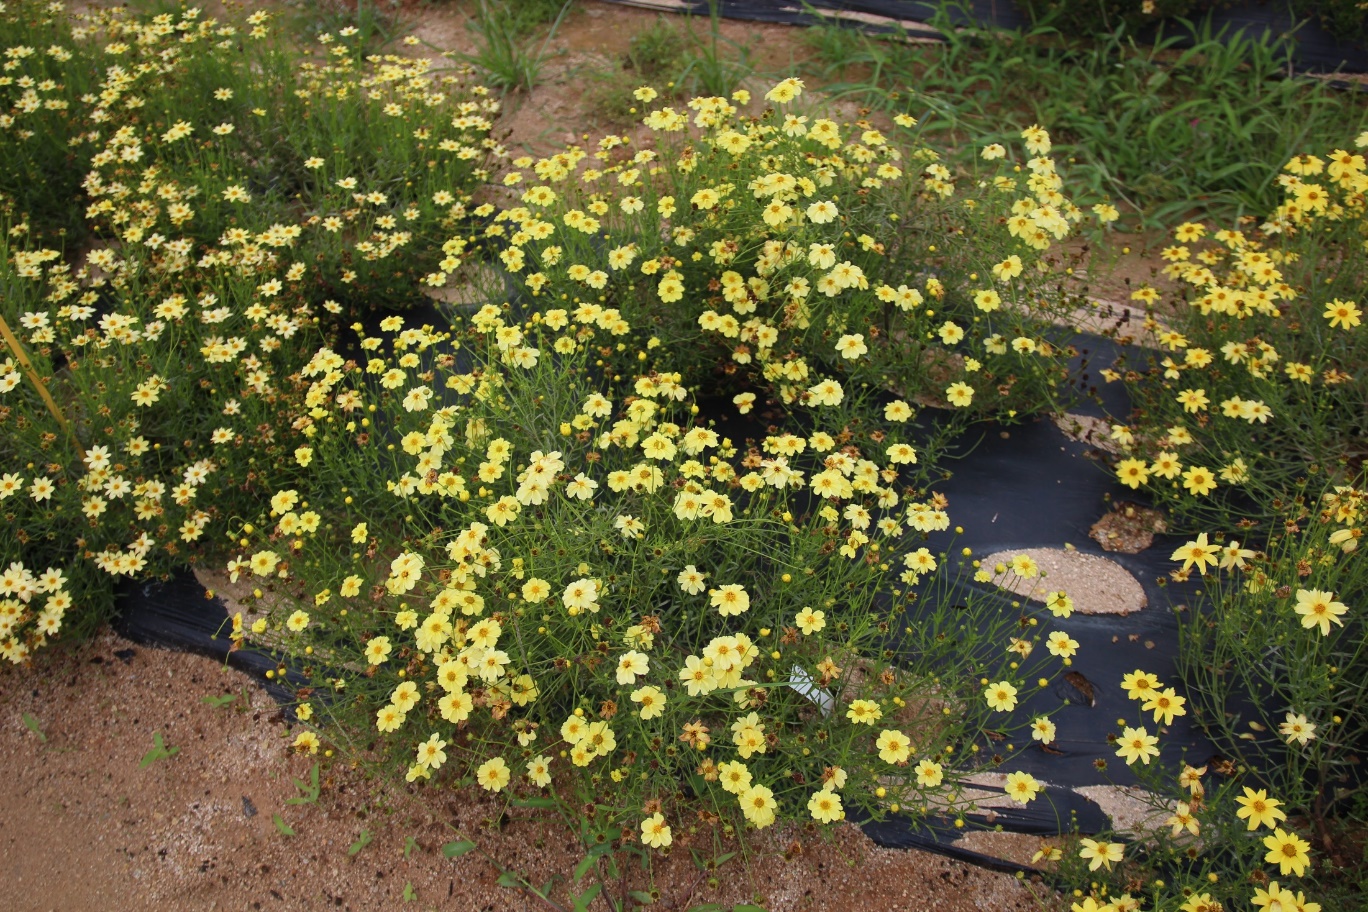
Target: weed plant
[[1197, 120], [509, 55]]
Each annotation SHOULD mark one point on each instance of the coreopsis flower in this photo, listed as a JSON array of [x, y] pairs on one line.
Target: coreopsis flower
[[1199, 552], [1100, 854], [929, 773], [1001, 696], [894, 746], [655, 832], [1319, 609], [825, 807], [1288, 851], [1297, 729], [1137, 744], [1257, 809], [493, 774]]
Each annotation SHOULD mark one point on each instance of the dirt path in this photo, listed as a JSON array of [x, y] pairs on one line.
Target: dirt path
[[90, 820]]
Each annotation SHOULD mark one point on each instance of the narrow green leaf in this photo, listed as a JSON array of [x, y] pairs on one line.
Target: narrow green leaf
[[457, 849], [533, 802], [510, 880], [641, 896], [220, 702], [282, 826], [583, 901], [31, 724], [583, 867]]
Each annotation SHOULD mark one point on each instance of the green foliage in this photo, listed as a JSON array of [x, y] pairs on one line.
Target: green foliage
[[509, 54], [159, 751], [32, 724], [712, 64], [225, 243], [1089, 19], [1261, 385], [1166, 129], [308, 791], [655, 56], [1282, 694], [371, 24]]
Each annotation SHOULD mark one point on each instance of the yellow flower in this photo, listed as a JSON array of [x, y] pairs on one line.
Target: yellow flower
[[865, 712], [893, 745], [1099, 854], [1288, 851], [1319, 609], [785, 91], [929, 773], [1137, 744], [652, 701], [1258, 809], [1043, 730], [1193, 400], [959, 394], [630, 666], [825, 807], [758, 804], [1199, 480], [1343, 314], [493, 774], [539, 771], [1022, 787], [655, 832], [1165, 705], [1183, 819], [1001, 696], [1199, 552], [377, 650], [1008, 269], [730, 600], [1297, 729], [810, 621], [430, 752]]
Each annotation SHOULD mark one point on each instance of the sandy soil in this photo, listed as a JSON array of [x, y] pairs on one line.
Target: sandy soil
[[91, 821]]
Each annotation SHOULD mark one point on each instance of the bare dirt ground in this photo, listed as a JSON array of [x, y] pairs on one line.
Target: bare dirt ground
[[91, 820]]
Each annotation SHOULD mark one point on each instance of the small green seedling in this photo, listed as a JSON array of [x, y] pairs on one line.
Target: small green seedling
[[159, 751], [281, 826], [31, 723], [220, 702], [308, 790], [361, 842]]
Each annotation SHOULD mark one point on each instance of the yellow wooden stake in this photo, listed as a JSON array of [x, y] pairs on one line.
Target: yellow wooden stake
[[22, 357]]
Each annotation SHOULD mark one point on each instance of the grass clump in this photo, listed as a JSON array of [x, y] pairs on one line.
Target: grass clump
[[1195, 121]]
